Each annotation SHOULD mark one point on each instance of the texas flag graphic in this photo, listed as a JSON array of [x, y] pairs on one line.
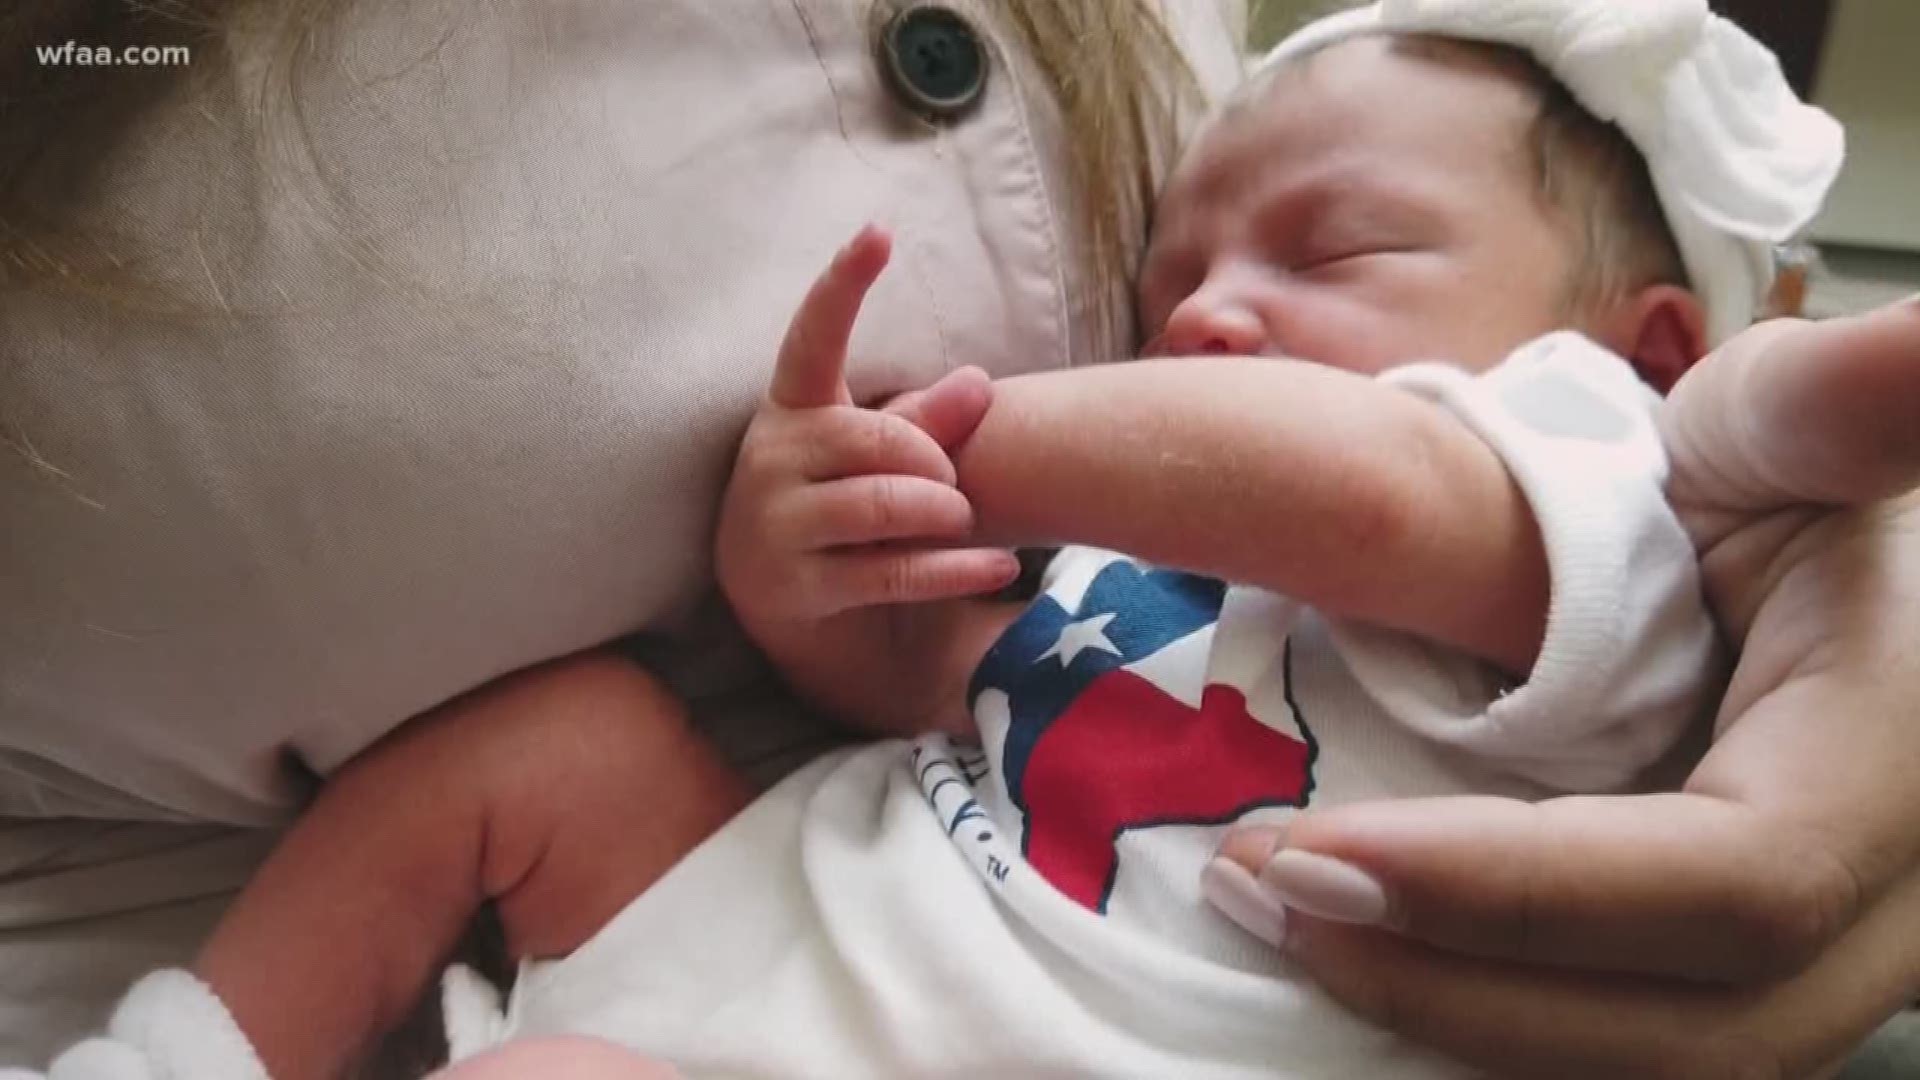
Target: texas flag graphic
[[1112, 724]]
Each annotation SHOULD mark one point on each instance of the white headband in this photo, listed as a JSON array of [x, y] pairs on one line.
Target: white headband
[[1740, 164]]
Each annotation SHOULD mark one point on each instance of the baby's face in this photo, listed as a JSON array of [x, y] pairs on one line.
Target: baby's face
[[1365, 209]]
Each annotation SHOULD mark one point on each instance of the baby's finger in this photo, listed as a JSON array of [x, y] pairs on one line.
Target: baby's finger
[[948, 410], [866, 578], [847, 441], [873, 509], [811, 371]]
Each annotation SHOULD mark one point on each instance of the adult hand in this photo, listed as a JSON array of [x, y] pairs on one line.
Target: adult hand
[[1763, 920]]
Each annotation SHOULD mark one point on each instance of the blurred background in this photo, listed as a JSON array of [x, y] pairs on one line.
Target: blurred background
[[1860, 60]]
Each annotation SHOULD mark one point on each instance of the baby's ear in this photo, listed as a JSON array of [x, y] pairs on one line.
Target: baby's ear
[[1661, 330]]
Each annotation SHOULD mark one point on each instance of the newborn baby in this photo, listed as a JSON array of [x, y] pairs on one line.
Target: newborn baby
[[1393, 525]]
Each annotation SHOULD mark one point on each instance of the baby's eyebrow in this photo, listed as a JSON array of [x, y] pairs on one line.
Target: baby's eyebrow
[[1391, 200]]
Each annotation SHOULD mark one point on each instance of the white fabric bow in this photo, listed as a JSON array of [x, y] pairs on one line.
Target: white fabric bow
[[1739, 162]]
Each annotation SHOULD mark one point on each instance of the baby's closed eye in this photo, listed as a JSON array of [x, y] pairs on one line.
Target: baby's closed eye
[[1341, 238]]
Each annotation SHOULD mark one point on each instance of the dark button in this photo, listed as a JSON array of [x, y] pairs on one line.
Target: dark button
[[933, 61]]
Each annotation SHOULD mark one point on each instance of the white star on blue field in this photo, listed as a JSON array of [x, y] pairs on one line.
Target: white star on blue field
[[1076, 637]]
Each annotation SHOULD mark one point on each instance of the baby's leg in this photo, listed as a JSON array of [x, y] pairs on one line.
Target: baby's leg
[[560, 794], [563, 1058]]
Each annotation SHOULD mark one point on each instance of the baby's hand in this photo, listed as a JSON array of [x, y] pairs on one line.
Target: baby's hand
[[834, 508]]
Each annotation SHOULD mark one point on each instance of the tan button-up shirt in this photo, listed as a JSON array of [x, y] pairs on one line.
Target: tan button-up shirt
[[457, 391]]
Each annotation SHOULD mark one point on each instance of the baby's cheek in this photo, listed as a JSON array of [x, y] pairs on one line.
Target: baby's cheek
[[1352, 335]]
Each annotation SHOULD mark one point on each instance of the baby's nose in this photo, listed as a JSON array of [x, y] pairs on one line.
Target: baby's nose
[[1208, 324]]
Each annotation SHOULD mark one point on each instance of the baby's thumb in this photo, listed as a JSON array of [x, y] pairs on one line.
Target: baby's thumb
[[950, 409]]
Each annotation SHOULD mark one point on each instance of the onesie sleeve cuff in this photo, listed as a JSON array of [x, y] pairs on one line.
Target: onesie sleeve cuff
[[1630, 654]]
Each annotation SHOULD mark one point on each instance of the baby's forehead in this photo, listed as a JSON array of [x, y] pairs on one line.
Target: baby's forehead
[[1351, 66], [1381, 85]]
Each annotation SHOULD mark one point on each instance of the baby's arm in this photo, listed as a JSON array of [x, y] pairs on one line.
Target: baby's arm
[[560, 794], [1361, 499], [1358, 498], [1421, 512]]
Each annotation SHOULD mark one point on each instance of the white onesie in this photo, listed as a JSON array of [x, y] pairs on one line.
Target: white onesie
[[1031, 906]]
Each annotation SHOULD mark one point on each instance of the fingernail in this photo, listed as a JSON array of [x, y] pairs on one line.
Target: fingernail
[[1325, 887], [1253, 845], [1010, 569], [1227, 886]]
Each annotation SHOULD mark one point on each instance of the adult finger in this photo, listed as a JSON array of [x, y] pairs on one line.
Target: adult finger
[[1842, 415], [950, 409], [811, 370], [875, 509], [858, 442], [1797, 412], [1529, 1021], [866, 578], [1671, 884]]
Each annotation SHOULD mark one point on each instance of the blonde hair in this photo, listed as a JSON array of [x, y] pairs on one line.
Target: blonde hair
[[59, 121], [1118, 77], [1121, 83]]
